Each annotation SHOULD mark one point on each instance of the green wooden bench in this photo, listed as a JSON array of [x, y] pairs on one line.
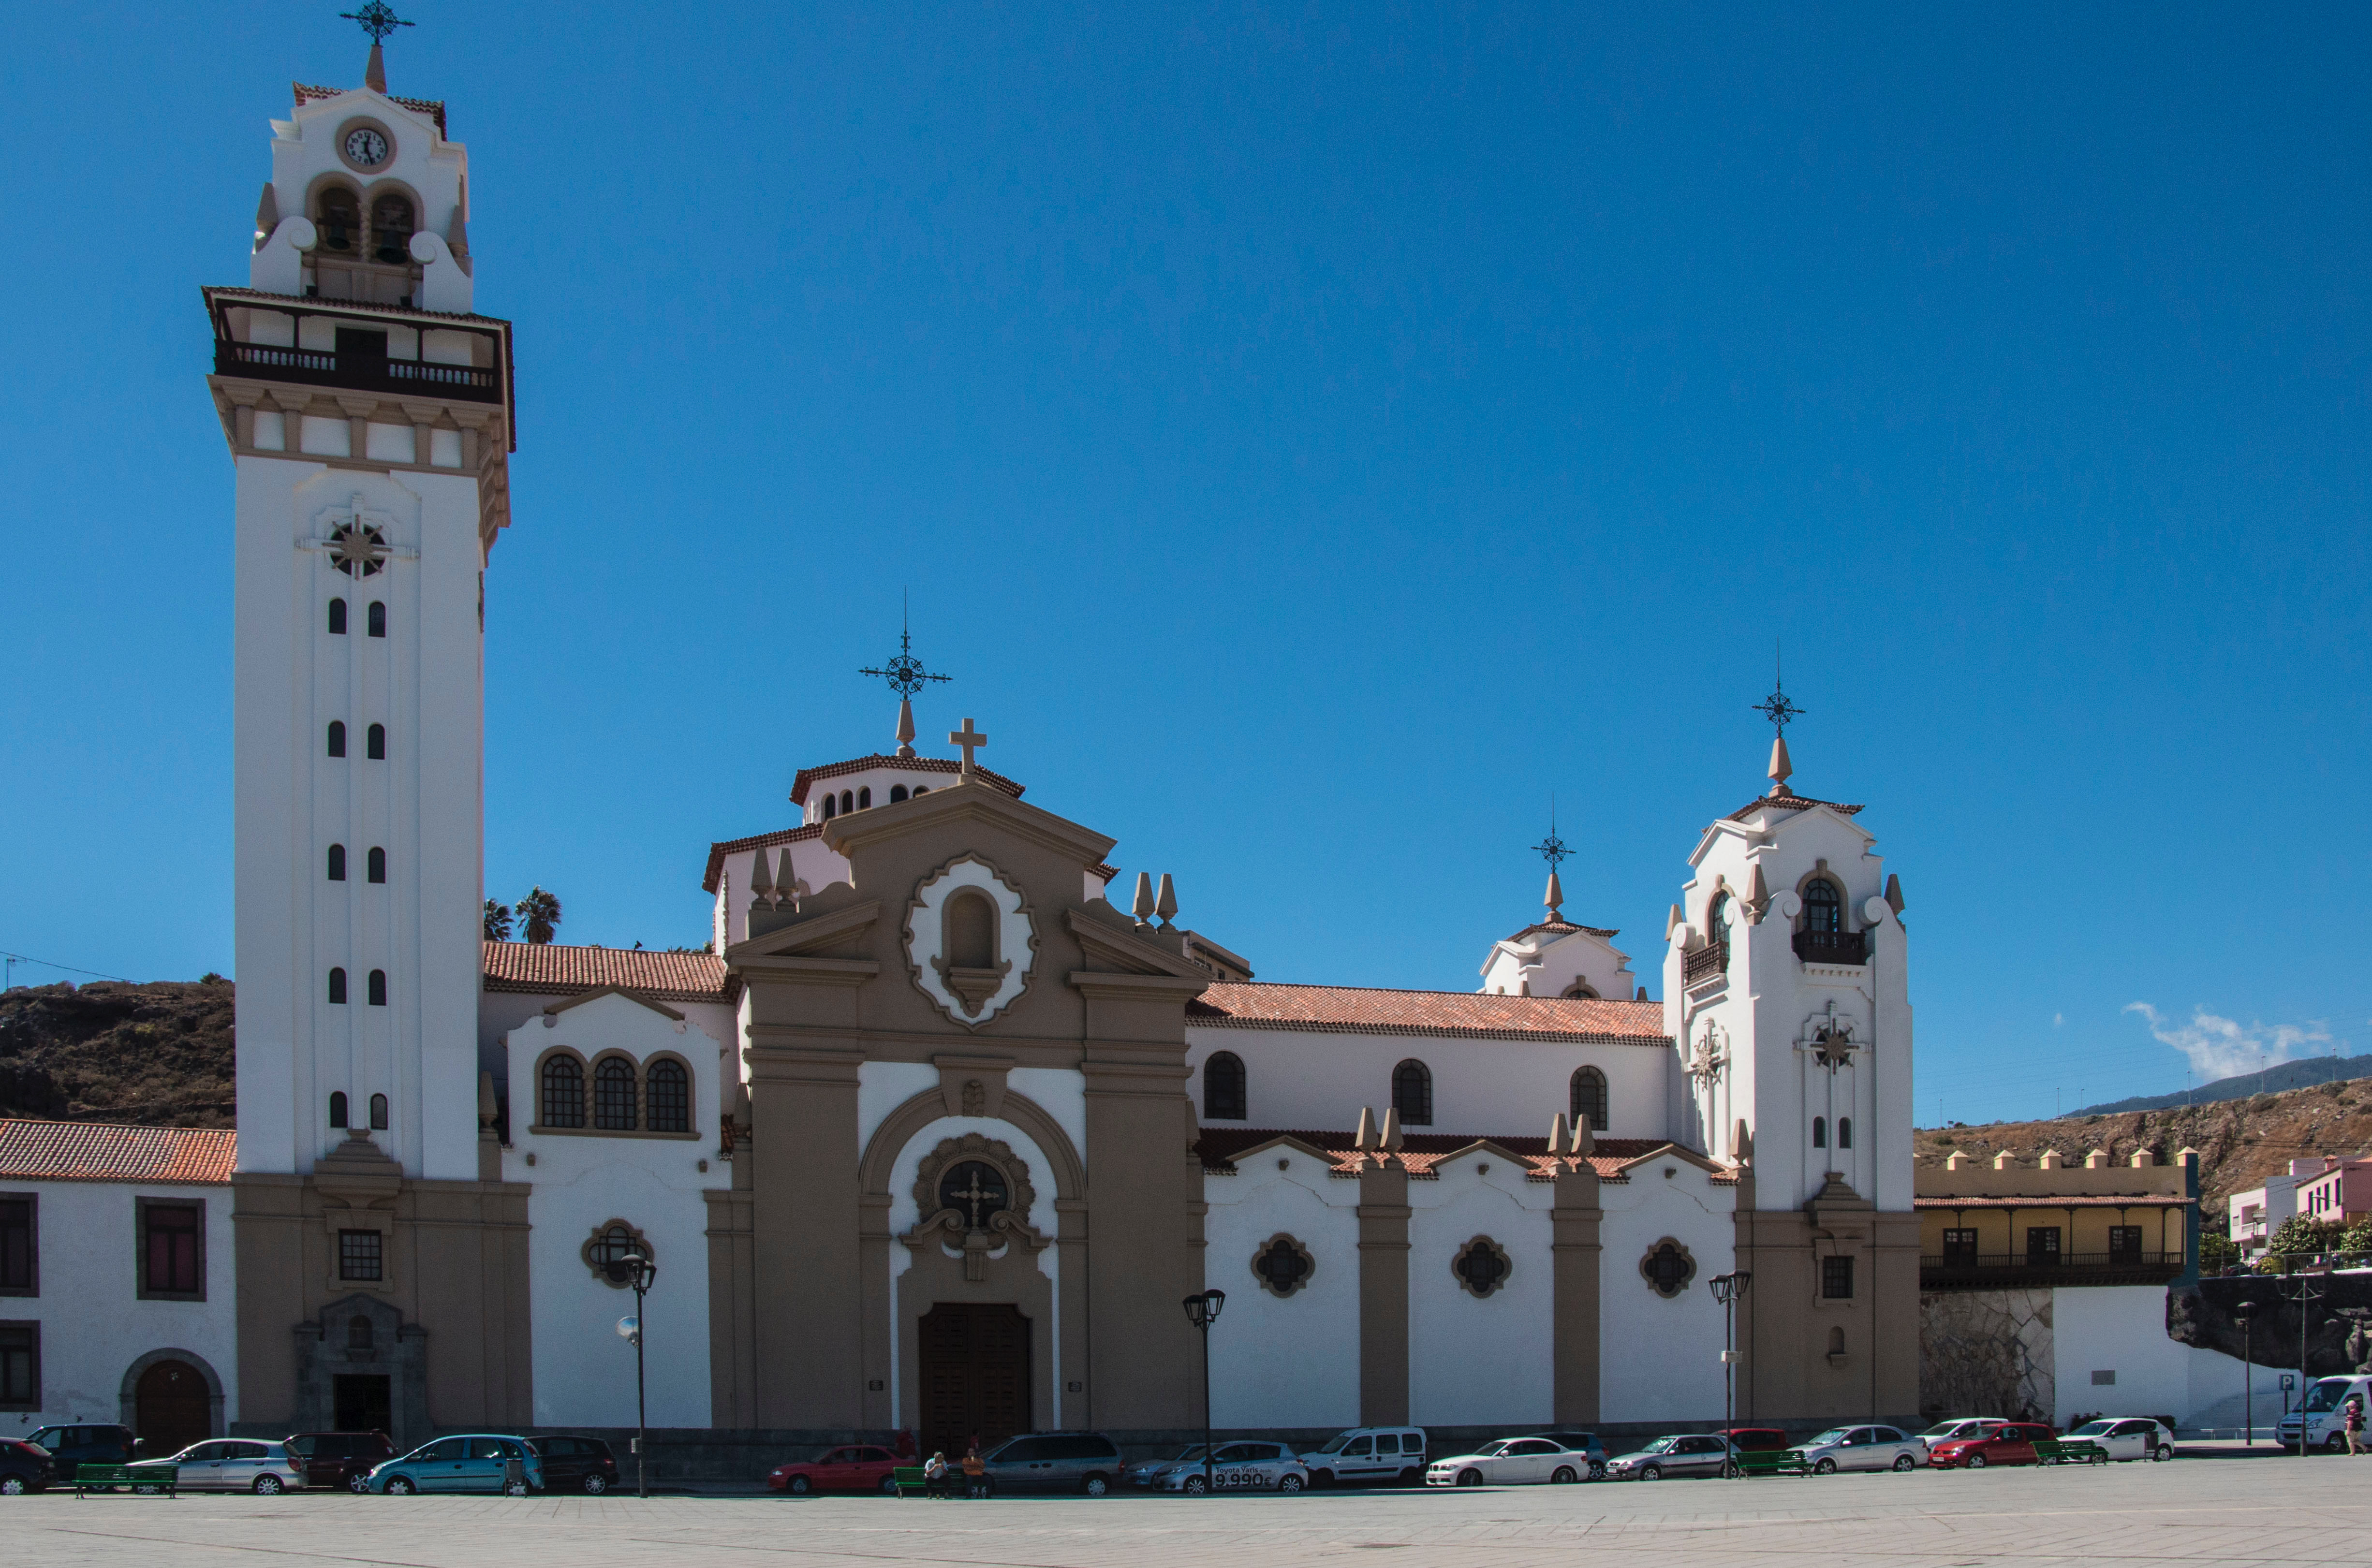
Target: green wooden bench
[[158, 1478], [910, 1481], [1768, 1461], [2064, 1451]]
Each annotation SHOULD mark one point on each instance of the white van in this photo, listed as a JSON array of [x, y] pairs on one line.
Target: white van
[[1370, 1453], [2325, 1406]]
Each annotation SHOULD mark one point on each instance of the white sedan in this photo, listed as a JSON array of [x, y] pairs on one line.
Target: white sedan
[[1862, 1448], [1236, 1467], [1511, 1459], [2127, 1437]]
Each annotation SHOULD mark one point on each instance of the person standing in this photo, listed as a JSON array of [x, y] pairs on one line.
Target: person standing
[[2352, 1419]]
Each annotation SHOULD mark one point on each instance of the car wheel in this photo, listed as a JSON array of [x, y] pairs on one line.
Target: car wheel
[[12, 1485], [268, 1486], [596, 1484], [1597, 1470], [1563, 1477], [1289, 1483], [798, 1486], [401, 1487], [359, 1484], [1095, 1485], [1195, 1486], [2335, 1444], [1729, 1470], [1825, 1467], [1976, 1461], [1651, 1473], [2162, 1453], [1905, 1462], [1470, 1478]]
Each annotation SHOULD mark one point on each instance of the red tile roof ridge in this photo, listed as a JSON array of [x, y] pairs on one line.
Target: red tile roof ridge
[[433, 108], [807, 776], [1420, 1151], [710, 878], [549, 969], [1564, 927], [98, 1151], [1342, 1009], [1788, 803]]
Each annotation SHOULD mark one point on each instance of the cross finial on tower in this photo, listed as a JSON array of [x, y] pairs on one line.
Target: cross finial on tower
[[1552, 850], [377, 20], [906, 676], [1779, 711], [965, 740]]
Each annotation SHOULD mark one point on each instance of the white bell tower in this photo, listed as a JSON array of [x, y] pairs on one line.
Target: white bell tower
[[369, 416]]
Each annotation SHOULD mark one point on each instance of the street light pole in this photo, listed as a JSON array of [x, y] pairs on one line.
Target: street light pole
[[1727, 1289], [2243, 1312], [2299, 1288], [1202, 1310], [635, 1270]]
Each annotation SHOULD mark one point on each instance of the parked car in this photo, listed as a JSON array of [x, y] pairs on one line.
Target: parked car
[[24, 1467], [858, 1467], [1237, 1467], [1862, 1448], [1370, 1453], [2324, 1405], [340, 1460], [2011, 1443], [232, 1464], [1142, 1472], [2132, 1437], [1509, 1461], [479, 1462], [579, 1464], [1053, 1461], [1958, 1427], [1693, 1454], [1754, 1439], [84, 1444], [1586, 1443]]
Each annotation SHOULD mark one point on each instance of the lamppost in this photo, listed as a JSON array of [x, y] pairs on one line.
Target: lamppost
[[1202, 1310], [2243, 1313], [2299, 1287], [1727, 1289], [633, 1269]]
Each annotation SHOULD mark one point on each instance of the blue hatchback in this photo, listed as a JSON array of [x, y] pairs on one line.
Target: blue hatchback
[[474, 1463]]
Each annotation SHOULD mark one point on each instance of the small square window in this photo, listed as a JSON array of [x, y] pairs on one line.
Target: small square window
[[1836, 1279], [358, 1255]]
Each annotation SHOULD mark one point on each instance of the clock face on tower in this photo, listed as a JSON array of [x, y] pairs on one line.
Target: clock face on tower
[[365, 147]]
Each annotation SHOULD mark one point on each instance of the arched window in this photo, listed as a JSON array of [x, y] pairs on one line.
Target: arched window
[[378, 619], [613, 1095], [1836, 1341], [375, 864], [337, 862], [391, 226], [379, 1113], [374, 743], [970, 941], [337, 618], [1824, 907], [338, 1110], [831, 809], [1589, 1098], [847, 802], [337, 739], [1820, 1132], [358, 1333], [341, 219], [865, 798], [921, 789], [338, 987], [1718, 918], [1222, 1088], [563, 1093], [896, 793], [378, 988], [671, 1096], [1844, 1132], [1412, 1093]]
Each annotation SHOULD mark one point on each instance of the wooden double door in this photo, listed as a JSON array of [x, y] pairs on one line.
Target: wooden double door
[[975, 1375]]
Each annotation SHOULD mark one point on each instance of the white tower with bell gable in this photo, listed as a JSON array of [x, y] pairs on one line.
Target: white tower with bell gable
[[369, 417]]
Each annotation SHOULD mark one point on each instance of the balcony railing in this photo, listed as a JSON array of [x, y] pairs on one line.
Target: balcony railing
[[357, 372], [1709, 962], [1973, 1269], [1832, 946]]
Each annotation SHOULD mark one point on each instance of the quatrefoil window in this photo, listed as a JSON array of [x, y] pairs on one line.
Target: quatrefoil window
[[1283, 1265]]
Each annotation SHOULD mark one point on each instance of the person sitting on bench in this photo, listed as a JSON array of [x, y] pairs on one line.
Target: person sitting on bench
[[935, 1475]]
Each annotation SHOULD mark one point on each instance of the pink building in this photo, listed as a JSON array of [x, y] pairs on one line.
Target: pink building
[[2342, 1190]]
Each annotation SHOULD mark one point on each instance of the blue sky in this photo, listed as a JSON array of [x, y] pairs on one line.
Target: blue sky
[[1311, 436]]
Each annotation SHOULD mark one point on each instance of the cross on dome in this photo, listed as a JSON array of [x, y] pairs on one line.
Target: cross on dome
[[965, 740]]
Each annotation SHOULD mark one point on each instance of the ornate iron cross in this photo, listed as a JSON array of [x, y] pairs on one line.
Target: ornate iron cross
[[376, 18], [905, 673], [1776, 707]]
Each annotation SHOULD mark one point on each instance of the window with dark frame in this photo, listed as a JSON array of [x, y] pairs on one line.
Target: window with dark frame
[[338, 988], [173, 1248], [563, 1093], [374, 743], [1960, 1243], [2125, 1243], [1820, 1132], [1844, 1132], [378, 619], [374, 865], [1588, 1096], [337, 737], [337, 618], [613, 1095], [337, 862], [358, 1255], [1412, 1093], [19, 1252], [338, 1110], [1824, 907], [377, 989], [669, 1093], [1836, 1279], [1224, 1087], [2042, 1245], [21, 1366], [379, 1113]]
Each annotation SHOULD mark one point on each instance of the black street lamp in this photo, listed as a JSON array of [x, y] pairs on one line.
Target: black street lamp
[[633, 1269], [1202, 1310], [1727, 1289], [2243, 1312]]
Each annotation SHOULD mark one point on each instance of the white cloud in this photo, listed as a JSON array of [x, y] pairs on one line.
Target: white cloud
[[2058, 1020], [2219, 1047]]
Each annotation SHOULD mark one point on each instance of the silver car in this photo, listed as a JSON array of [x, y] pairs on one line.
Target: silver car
[[234, 1464], [1694, 1455], [1237, 1467], [1862, 1448]]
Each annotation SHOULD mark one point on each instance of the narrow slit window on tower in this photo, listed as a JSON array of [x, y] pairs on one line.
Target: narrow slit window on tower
[[1412, 1093], [377, 619], [375, 864], [379, 1113], [847, 802], [378, 992], [1820, 1132], [831, 809], [921, 789], [1844, 1132], [1589, 1098], [375, 743], [338, 1110], [337, 737], [1224, 1087], [337, 862], [338, 988], [669, 1093], [337, 618]]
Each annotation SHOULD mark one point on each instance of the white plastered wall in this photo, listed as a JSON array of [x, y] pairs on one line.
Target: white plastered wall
[[2122, 1330], [1659, 1360], [1481, 1361], [1284, 1361]]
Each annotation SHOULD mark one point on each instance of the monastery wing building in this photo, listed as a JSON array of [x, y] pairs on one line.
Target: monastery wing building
[[938, 1135]]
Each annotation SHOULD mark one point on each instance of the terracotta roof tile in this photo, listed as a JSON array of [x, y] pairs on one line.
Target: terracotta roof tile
[[341, 306], [2110, 1201], [899, 764], [1563, 928], [716, 853], [549, 970], [1340, 1009], [89, 1151], [1786, 803], [1422, 1151], [433, 108]]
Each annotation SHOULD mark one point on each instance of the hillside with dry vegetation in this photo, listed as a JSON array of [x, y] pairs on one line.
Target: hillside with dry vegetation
[[155, 1055], [2241, 1142]]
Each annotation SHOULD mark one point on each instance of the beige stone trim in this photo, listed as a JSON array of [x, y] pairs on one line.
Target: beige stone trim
[[1383, 1215], [1576, 1257]]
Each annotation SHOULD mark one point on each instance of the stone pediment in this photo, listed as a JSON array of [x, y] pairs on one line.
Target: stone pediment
[[359, 1173], [1114, 947], [811, 935]]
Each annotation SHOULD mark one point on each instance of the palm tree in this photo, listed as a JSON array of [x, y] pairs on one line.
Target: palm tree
[[539, 915], [498, 921]]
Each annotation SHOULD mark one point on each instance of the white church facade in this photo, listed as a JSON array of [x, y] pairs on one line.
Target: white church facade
[[938, 1135]]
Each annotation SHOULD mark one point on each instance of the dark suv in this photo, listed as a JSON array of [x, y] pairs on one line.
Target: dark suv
[[577, 1464], [72, 1446], [1054, 1461], [340, 1459]]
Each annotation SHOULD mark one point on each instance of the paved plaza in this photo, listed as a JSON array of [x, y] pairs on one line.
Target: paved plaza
[[2261, 1511]]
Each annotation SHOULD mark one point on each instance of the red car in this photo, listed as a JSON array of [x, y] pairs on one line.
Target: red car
[[858, 1469], [2011, 1444], [1754, 1439]]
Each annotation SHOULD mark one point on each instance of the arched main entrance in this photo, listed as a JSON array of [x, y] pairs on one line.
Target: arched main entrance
[[172, 1407], [975, 1375]]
